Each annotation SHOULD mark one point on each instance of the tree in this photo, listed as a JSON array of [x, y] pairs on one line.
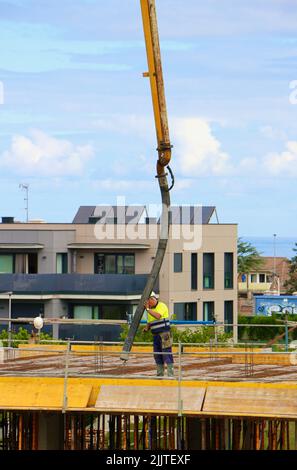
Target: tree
[[291, 283], [248, 259]]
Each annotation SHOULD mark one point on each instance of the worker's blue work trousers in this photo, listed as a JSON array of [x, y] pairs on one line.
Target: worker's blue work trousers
[[161, 358]]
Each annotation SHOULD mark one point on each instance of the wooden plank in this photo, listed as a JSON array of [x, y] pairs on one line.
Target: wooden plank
[[149, 398], [25, 395], [251, 401]]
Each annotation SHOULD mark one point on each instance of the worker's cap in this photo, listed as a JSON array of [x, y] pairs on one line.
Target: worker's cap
[[154, 295]]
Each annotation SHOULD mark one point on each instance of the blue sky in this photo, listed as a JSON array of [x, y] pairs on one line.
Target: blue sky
[[76, 122]]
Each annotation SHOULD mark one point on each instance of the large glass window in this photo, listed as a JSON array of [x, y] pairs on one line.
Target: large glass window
[[194, 268], [208, 311], [185, 311], [19, 263], [228, 315], [111, 263], [62, 263], [115, 312], [86, 312], [178, 262], [6, 264], [125, 264], [208, 271], [228, 271], [102, 311]]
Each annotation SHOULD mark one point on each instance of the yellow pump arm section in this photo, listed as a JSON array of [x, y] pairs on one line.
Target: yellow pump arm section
[[155, 75]]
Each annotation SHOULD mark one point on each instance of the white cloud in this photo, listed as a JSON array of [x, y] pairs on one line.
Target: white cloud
[[284, 163], [197, 149], [196, 152], [43, 155]]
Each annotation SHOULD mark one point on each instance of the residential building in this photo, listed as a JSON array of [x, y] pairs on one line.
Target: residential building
[[96, 267], [269, 279]]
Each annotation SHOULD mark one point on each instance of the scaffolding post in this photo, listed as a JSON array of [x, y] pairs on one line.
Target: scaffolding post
[[65, 398], [180, 401]]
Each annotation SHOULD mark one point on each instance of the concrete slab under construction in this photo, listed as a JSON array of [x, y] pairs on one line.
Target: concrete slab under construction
[[210, 366], [119, 413], [149, 396]]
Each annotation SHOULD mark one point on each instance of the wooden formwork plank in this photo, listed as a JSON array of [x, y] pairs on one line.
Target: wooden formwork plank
[[25, 395], [149, 398], [251, 401]]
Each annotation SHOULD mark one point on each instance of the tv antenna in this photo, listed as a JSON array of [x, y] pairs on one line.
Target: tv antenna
[[25, 187]]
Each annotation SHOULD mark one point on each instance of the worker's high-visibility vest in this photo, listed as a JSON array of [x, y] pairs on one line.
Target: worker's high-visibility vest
[[163, 324]]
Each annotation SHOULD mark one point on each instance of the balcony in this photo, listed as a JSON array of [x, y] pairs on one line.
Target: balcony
[[73, 284], [254, 287]]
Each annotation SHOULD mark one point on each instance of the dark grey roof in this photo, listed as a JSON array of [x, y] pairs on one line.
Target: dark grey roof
[[83, 214], [104, 284], [125, 214], [191, 215]]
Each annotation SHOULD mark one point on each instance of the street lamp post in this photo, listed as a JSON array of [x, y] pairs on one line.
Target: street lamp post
[[274, 253], [286, 325], [9, 319]]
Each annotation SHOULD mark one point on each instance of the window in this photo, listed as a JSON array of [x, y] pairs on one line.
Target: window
[[194, 263], [85, 312], [62, 263], [27, 310], [208, 270], [114, 312], [110, 264], [6, 264], [102, 311], [228, 271], [178, 262], [125, 264], [114, 263], [32, 263], [262, 278], [228, 315], [253, 277], [185, 311], [208, 311], [19, 263]]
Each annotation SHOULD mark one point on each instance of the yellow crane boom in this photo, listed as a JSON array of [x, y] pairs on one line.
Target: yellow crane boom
[[155, 74]]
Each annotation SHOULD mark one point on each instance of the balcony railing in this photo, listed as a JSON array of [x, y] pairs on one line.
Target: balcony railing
[[103, 284]]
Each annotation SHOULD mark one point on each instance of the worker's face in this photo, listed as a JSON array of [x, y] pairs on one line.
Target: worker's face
[[152, 302]]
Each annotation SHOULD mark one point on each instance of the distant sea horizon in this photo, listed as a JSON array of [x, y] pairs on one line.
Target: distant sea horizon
[[265, 245]]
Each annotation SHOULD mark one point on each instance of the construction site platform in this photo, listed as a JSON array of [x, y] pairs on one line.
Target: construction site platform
[[144, 396]]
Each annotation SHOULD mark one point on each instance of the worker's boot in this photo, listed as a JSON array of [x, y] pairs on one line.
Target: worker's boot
[[160, 370], [170, 370]]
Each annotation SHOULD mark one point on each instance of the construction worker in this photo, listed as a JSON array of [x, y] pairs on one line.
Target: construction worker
[[159, 324]]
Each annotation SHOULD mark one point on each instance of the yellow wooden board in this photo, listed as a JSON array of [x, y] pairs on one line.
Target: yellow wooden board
[[149, 398], [25, 395], [33, 350], [251, 401]]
